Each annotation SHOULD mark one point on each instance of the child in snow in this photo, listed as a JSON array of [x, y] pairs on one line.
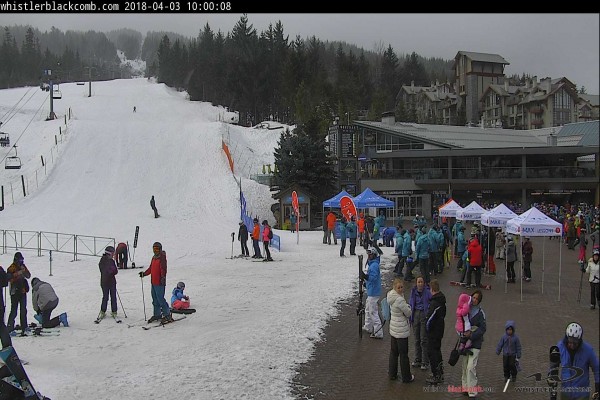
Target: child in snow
[[463, 324], [510, 346], [180, 301]]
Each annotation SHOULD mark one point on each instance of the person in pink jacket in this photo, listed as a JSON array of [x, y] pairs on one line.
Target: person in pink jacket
[[266, 237], [463, 324]]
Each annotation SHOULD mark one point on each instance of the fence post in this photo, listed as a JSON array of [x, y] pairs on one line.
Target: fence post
[[39, 244], [42, 157], [74, 247], [50, 262]]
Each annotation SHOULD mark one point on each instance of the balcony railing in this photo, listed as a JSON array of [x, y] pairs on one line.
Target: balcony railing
[[496, 173]]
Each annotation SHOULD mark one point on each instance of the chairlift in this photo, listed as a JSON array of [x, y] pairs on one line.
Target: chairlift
[[80, 83], [13, 162], [57, 94]]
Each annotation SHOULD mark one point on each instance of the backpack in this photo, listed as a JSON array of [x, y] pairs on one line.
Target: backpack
[[386, 312], [270, 234]]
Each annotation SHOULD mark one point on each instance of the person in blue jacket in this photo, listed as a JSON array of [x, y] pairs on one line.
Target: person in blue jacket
[[373, 282], [576, 359], [179, 301], [343, 235], [399, 237], [406, 253], [461, 246], [510, 347], [351, 231], [422, 249]]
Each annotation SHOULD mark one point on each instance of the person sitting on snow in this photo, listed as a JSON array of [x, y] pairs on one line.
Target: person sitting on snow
[[180, 301]]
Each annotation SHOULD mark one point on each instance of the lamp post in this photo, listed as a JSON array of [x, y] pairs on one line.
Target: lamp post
[[90, 80]]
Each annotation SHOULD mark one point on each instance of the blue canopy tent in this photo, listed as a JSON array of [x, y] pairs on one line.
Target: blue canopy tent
[[334, 202], [370, 199]]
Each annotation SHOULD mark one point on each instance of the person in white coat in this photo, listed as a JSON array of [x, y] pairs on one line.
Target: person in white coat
[[399, 332], [593, 268]]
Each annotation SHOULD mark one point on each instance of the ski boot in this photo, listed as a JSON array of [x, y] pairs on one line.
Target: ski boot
[[63, 319]]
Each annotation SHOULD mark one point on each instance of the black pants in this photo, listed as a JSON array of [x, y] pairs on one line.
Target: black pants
[[424, 267], [434, 350], [527, 269], [510, 369], [106, 291], [4, 333], [460, 260], [510, 271], [267, 250], [342, 247], [477, 270], [352, 246], [48, 322], [256, 248], [244, 244], [595, 293], [399, 349], [155, 212], [122, 260], [18, 300], [399, 265]]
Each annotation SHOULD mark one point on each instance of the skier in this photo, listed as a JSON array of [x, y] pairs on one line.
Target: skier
[[255, 239], [108, 282], [134, 109], [121, 256], [18, 292], [179, 301], [44, 301], [158, 275], [243, 238], [266, 236], [153, 205]]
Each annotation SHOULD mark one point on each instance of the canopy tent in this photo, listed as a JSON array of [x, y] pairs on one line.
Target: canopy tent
[[334, 202], [533, 222], [497, 216], [370, 199], [472, 212], [449, 209]]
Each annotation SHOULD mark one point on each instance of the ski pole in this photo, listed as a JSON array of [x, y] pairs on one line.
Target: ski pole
[[232, 240], [123, 308], [143, 298], [580, 282]]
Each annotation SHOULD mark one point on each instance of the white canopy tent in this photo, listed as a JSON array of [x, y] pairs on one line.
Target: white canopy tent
[[472, 212], [497, 218], [533, 222], [449, 209]]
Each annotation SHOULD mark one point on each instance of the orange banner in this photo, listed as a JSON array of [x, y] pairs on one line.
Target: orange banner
[[228, 154]]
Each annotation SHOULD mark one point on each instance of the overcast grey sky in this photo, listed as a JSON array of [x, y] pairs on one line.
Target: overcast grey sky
[[551, 45]]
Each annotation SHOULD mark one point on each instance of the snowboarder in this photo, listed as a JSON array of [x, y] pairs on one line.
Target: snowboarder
[[18, 291], [179, 301], [44, 301], [153, 205], [158, 275], [108, 282], [121, 256]]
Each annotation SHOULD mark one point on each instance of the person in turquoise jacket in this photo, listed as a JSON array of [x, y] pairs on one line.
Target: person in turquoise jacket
[[399, 239], [372, 278], [461, 247], [406, 252], [576, 357], [422, 249], [351, 231], [434, 249], [343, 235], [375, 237]]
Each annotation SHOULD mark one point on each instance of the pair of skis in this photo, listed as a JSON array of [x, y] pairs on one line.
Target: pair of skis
[[99, 319], [163, 323]]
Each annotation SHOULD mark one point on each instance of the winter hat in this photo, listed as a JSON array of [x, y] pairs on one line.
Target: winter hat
[[109, 250], [265, 222], [34, 281], [180, 285], [157, 244], [18, 257]]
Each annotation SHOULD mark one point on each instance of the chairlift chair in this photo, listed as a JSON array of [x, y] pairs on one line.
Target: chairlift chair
[[57, 95], [12, 162], [4, 139]]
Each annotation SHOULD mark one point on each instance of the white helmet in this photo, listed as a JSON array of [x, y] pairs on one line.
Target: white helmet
[[574, 330], [371, 250]]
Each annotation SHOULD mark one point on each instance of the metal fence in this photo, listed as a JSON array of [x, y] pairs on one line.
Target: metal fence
[[78, 245]]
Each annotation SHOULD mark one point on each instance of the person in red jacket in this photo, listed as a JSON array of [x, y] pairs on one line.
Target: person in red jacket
[[121, 256], [475, 261], [158, 278]]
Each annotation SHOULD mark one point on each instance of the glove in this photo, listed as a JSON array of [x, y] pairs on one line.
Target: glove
[[141, 274]]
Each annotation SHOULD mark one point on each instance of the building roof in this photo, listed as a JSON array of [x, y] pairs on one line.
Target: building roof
[[483, 57], [593, 99], [586, 131], [449, 136]]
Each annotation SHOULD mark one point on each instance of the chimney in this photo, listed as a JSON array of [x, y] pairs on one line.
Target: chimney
[[412, 84], [388, 118], [534, 82], [437, 82], [506, 85], [552, 139]]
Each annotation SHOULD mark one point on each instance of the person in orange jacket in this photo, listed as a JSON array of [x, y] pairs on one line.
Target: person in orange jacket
[[331, 220], [256, 239], [361, 228], [158, 278]]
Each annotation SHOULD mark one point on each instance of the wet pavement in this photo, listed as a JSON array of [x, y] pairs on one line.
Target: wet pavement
[[346, 367]]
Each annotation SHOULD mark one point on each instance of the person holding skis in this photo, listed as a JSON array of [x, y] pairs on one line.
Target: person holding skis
[[243, 238], [18, 291], [179, 301], [108, 282], [158, 278], [121, 256]]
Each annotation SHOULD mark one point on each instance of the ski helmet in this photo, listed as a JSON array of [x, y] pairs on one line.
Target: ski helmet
[[371, 250], [109, 250], [181, 285], [574, 330], [596, 252], [157, 244]]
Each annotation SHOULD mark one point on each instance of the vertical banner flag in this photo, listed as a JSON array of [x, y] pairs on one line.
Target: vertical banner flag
[[297, 211], [348, 208]]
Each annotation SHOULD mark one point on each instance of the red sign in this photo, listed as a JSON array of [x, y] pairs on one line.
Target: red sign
[[295, 202], [348, 208]]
